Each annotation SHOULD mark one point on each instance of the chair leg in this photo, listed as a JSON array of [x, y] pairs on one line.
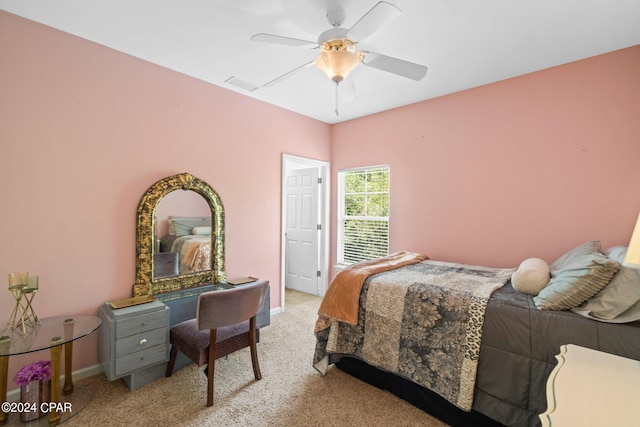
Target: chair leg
[[211, 367], [254, 350], [172, 361]]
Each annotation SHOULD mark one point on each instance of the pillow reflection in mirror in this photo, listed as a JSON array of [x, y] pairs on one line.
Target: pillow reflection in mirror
[[182, 226], [201, 231]]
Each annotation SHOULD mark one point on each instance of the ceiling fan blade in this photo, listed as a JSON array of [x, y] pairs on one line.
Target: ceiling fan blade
[[377, 17], [394, 65], [287, 41], [289, 74]]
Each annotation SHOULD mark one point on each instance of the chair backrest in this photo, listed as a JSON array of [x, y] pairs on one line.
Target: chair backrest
[[165, 264], [230, 306]]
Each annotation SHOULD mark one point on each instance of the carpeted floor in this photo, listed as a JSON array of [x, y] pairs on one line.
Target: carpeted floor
[[291, 392]]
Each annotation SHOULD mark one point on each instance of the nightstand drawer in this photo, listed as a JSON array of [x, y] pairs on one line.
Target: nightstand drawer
[[141, 341], [137, 324], [140, 359], [133, 339]]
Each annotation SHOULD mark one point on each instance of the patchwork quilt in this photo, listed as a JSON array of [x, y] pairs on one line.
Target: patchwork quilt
[[421, 321]]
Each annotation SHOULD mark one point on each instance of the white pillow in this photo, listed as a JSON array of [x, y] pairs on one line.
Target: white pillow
[[531, 276], [201, 231]]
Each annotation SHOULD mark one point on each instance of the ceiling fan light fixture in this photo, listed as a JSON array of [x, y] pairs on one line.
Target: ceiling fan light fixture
[[337, 52], [337, 59]]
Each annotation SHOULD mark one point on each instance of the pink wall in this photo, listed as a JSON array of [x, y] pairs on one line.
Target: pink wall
[[527, 167], [85, 130]]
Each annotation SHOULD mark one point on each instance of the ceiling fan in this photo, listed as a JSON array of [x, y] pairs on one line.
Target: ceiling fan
[[338, 47]]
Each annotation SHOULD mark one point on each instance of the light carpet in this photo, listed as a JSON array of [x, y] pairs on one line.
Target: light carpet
[[291, 392]]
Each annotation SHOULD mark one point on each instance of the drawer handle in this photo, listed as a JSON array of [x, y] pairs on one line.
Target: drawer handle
[[143, 341]]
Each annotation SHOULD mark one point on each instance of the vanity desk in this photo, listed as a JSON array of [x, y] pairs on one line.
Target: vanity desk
[[134, 344], [134, 341]]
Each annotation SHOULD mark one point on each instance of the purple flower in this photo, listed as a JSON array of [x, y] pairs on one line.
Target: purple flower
[[36, 371]]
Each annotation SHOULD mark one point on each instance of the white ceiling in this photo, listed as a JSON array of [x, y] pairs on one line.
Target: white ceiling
[[465, 43]]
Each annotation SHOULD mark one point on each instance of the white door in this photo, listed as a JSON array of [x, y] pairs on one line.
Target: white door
[[301, 233]]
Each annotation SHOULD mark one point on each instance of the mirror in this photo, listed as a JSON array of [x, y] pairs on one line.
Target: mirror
[[211, 269], [182, 235]]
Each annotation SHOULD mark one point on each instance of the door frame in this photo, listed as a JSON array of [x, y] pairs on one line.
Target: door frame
[[289, 163]]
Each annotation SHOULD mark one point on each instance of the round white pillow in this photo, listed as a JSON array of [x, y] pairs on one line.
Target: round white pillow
[[201, 231], [531, 276]]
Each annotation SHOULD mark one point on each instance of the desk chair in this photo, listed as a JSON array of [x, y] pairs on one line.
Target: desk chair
[[225, 322]]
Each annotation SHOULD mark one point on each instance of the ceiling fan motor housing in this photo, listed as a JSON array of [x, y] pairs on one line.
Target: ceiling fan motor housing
[[336, 16], [332, 34]]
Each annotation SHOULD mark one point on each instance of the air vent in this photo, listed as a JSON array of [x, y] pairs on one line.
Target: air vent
[[242, 84]]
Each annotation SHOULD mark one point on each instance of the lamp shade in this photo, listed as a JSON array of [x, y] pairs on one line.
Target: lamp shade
[[337, 62], [632, 259]]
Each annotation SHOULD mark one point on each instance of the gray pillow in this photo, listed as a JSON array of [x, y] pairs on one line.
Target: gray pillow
[[575, 277], [629, 315], [619, 295], [576, 255]]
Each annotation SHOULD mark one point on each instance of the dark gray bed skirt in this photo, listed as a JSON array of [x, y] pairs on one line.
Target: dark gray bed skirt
[[418, 396]]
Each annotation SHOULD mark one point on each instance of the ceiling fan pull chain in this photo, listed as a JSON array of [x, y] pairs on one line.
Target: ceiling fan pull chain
[[337, 100]]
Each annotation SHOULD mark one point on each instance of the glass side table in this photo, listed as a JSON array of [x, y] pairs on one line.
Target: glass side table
[[53, 333]]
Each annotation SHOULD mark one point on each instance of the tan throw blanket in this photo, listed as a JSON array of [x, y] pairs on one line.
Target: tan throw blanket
[[194, 253], [341, 300]]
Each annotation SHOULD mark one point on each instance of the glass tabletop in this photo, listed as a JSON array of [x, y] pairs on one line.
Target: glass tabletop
[[39, 337]]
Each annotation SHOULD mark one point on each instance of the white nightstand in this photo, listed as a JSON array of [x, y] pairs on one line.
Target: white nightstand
[[592, 388]]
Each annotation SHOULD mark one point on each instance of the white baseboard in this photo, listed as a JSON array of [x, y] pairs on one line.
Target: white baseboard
[[276, 310], [14, 395]]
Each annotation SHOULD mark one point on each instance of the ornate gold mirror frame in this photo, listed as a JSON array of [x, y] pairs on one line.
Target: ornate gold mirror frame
[[145, 282]]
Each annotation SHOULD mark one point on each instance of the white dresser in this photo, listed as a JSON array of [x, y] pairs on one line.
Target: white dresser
[[592, 388], [134, 341]]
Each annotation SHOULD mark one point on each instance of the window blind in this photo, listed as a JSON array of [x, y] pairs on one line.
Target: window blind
[[363, 231]]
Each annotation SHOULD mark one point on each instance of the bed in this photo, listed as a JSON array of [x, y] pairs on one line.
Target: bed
[[190, 238], [470, 344]]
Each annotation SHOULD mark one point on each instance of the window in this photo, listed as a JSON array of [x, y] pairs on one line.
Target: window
[[363, 214]]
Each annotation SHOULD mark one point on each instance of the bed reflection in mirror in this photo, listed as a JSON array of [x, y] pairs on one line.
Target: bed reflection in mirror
[[182, 235], [185, 208]]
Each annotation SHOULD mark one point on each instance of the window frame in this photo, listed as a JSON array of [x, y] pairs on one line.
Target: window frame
[[342, 216]]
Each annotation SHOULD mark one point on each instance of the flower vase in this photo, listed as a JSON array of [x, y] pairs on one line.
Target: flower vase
[[33, 395]]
